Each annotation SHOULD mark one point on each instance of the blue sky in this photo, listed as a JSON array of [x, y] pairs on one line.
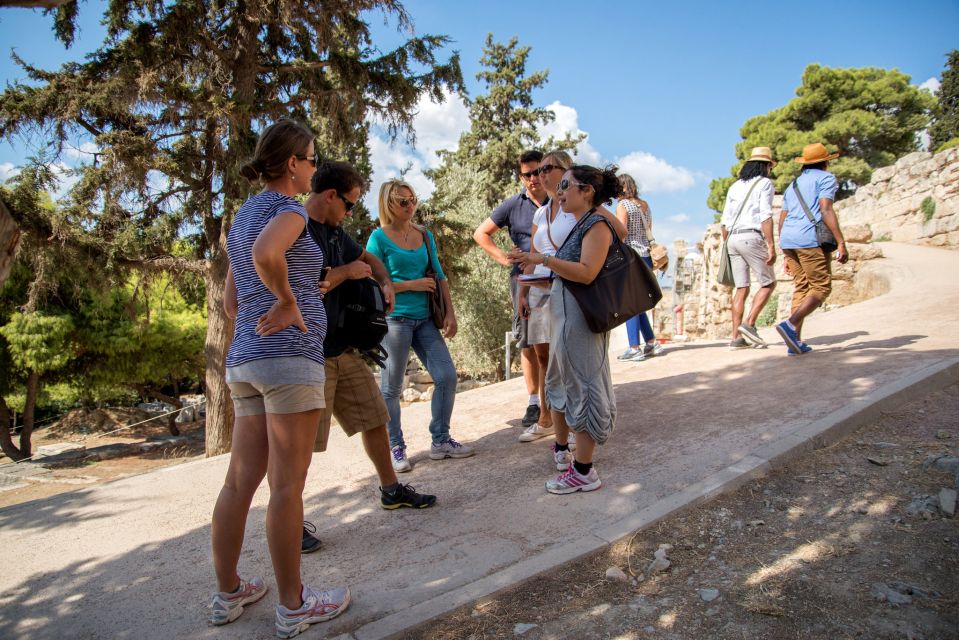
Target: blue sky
[[663, 88]]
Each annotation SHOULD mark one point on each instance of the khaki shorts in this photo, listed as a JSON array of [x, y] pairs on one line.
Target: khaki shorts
[[748, 251], [352, 397], [254, 398], [811, 271]]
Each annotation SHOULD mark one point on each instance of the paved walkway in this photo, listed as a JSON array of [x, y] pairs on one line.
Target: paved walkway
[[131, 559]]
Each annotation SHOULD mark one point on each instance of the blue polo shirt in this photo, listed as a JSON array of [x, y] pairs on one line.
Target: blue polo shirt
[[516, 212], [797, 231]]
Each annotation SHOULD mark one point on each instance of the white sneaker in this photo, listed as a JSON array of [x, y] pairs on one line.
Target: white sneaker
[[562, 459], [573, 481], [571, 440], [535, 432], [318, 606], [651, 349], [227, 607], [450, 449], [401, 464]]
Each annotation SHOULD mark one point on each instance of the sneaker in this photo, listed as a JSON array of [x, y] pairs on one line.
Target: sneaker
[[532, 415], [562, 458], [803, 348], [639, 356], [571, 440], [572, 481], [310, 542], [739, 343], [651, 349], [405, 496], [318, 606], [629, 354], [789, 337], [451, 449], [535, 432], [749, 332], [401, 464], [227, 607]]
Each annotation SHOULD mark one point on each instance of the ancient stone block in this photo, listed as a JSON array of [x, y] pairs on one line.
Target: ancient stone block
[[860, 252], [857, 233]]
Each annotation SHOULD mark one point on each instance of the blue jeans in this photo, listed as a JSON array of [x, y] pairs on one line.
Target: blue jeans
[[430, 348], [640, 323]]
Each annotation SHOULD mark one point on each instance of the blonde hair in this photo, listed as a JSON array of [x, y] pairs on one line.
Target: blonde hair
[[387, 191], [560, 158]]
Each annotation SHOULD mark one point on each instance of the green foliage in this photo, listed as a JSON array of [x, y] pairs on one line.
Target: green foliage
[[949, 144], [946, 124], [928, 208], [39, 341], [870, 116], [768, 316]]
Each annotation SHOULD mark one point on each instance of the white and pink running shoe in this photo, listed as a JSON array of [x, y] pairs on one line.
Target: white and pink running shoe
[[318, 606], [227, 607], [572, 481]]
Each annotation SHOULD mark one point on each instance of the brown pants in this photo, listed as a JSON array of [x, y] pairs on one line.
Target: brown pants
[[812, 274]]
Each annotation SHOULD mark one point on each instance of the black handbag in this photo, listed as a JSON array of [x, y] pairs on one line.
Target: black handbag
[[824, 236], [624, 287]]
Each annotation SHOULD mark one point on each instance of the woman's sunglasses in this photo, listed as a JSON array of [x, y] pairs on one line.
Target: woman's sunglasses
[[405, 202], [565, 184], [310, 159]]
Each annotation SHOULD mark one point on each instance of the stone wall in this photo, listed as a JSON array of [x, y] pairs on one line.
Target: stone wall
[[915, 200]]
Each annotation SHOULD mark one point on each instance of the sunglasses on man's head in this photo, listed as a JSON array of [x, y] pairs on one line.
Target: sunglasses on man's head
[[310, 159], [349, 204]]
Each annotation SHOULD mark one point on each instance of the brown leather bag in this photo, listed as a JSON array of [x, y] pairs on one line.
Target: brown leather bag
[[437, 302]]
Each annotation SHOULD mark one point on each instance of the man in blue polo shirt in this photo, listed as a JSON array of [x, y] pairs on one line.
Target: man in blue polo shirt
[[516, 213], [807, 201]]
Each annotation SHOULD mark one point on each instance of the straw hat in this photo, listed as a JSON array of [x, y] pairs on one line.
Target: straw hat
[[763, 154], [816, 152]]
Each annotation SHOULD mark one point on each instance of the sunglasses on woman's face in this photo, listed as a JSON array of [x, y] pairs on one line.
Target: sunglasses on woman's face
[[565, 184], [349, 204], [405, 202], [310, 159], [546, 168]]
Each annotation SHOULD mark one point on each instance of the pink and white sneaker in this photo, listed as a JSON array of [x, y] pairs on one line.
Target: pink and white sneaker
[[227, 607], [572, 481], [318, 606]]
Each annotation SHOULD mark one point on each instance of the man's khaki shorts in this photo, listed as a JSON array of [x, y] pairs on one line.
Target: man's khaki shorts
[[254, 398], [811, 271], [352, 397]]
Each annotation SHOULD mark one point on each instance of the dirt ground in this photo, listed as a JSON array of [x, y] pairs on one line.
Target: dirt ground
[[86, 427], [836, 545]]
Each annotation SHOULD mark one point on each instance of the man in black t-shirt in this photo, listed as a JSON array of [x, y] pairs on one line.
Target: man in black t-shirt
[[516, 214], [352, 395]]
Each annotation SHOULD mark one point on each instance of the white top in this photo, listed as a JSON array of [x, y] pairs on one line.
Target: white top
[[757, 210], [558, 229]]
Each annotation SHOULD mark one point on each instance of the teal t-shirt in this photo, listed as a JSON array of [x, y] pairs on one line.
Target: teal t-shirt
[[403, 265]]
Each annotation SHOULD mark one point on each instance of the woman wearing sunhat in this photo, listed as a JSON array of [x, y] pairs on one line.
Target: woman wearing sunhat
[[807, 201], [747, 226]]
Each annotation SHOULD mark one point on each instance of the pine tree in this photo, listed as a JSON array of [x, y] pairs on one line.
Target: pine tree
[[946, 125], [173, 101]]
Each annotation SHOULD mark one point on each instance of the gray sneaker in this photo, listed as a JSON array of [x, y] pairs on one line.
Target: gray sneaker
[[738, 343], [651, 349], [450, 449], [751, 336]]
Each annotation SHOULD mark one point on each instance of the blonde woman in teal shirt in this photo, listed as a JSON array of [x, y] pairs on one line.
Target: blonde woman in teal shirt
[[401, 246]]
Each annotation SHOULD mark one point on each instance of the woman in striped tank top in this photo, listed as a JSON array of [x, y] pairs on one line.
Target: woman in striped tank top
[[276, 372]]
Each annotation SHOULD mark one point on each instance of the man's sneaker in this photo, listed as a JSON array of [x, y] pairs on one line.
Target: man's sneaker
[[629, 354], [639, 356], [739, 343], [571, 440], [450, 449], [532, 415], [573, 481], [310, 542], [405, 496], [562, 458], [790, 337], [804, 348], [318, 606], [651, 349], [535, 432], [401, 464], [749, 332], [227, 607]]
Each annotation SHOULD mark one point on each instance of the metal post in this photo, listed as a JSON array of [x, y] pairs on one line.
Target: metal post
[[508, 364]]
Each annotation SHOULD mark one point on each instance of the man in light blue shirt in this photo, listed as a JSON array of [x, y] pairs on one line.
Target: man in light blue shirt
[[810, 196]]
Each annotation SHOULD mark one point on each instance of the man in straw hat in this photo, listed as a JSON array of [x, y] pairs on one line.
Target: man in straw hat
[[806, 202], [748, 233]]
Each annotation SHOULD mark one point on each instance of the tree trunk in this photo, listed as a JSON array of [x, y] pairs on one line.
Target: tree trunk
[[33, 390], [219, 334], [6, 439], [9, 240]]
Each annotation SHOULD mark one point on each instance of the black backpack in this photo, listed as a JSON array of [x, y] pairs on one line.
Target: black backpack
[[361, 321]]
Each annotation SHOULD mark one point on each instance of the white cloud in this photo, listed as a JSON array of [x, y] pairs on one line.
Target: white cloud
[[84, 152], [566, 121], [931, 85], [7, 171], [679, 217], [655, 174]]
